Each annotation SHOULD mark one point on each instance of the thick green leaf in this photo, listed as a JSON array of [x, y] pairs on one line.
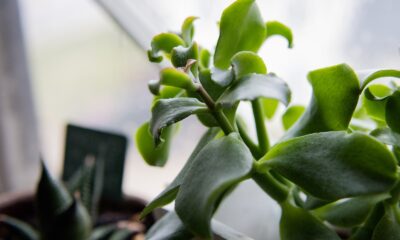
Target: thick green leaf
[[163, 42], [180, 55], [387, 136], [291, 115], [19, 229], [122, 234], [175, 78], [169, 194], [335, 96], [246, 62], [169, 227], [352, 212], [269, 107], [168, 111], [334, 165], [222, 77], [366, 230], [74, 223], [313, 202], [388, 227], [253, 86], [374, 101], [241, 28], [154, 156], [367, 77], [298, 224], [205, 57], [393, 111], [188, 29], [277, 28], [219, 166], [52, 198]]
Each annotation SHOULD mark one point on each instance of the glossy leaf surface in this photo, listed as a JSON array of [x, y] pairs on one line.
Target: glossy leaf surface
[[175, 78], [291, 115], [168, 111], [277, 28], [218, 166], [368, 77], [388, 227], [253, 86], [393, 111], [169, 194], [298, 224], [188, 29], [180, 55], [154, 156], [334, 165], [247, 62], [163, 42], [241, 28], [374, 101], [387, 136], [169, 227], [352, 212], [335, 96]]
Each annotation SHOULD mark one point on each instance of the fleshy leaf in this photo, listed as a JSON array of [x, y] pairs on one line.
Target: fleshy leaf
[[169, 194], [388, 227], [19, 229], [334, 165], [298, 224], [352, 212], [253, 86], [247, 62], [386, 136], [220, 165], [168, 111], [205, 57], [369, 76], [222, 77], [74, 223], [180, 55], [188, 29], [277, 28], [367, 229], [241, 29], [291, 115], [52, 198], [163, 42], [169, 227], [374, 101], [335, 96], [269, 107], [175, 78], [393, 111], [154, 156]]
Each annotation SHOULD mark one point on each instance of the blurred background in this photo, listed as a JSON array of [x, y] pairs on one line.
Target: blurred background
[[83, 67]]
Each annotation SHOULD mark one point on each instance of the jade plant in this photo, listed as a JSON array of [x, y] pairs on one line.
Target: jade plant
[[332, 173], [69, 211]]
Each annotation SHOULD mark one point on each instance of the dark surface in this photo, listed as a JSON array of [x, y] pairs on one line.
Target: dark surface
[[109, 147]]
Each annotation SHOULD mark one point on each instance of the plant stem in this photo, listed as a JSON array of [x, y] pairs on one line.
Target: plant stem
[[217, 113], [262, 134], [247, 140], [276, 190]]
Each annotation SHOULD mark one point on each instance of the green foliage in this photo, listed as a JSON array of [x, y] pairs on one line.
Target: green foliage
[[334, 165], [241, 29], [220, 165], [348, 174]]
